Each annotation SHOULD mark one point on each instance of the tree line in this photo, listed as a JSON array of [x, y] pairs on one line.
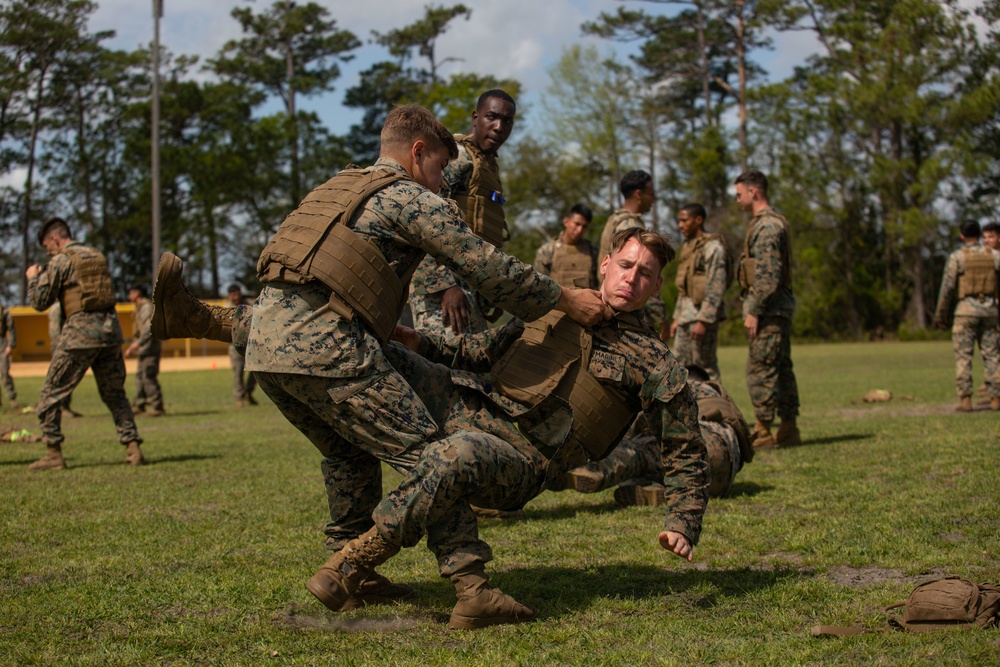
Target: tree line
[[876, 146]]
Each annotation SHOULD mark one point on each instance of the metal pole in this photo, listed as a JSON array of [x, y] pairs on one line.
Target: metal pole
[[155, 138]]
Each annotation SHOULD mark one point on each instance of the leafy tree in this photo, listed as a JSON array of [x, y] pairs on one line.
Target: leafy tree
[[290, 50]]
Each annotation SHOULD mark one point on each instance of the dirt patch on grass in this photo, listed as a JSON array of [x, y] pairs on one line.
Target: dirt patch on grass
[[862, 577], [292, 617]]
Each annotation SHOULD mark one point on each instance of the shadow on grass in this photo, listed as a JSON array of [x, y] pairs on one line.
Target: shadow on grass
[[833, 439], [564, 511], [747, 489], [556, 592]]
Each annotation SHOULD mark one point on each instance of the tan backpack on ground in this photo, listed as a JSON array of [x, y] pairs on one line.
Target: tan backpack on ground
[[942, 604]]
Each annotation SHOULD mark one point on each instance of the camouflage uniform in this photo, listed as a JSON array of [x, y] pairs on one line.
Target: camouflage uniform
[[89, 339], [770, 378], [147, 386], [432, 278], [55, 317], [8, 338], [547, 259], [242, 389], [329, 375], [638, 456], [500, 453], [975, 321], [655, 309], [710, 260]]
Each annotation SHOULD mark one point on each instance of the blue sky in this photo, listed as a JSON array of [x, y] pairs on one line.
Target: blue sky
[[513, 38]]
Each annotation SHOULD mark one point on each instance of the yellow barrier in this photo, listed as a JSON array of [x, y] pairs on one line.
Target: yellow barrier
[[33, 342]]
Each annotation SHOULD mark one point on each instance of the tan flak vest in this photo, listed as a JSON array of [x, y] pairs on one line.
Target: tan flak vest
[[691, 279], [315, 243], [552, 357], [482, 203], [91, 288], [746, 271], [979, 278], [571, 266]]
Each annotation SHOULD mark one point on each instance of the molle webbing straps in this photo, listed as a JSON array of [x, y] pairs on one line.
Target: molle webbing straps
[[91, 288], [570, 264], [979, 277], [482, 202], [551, 357], [314, 243]]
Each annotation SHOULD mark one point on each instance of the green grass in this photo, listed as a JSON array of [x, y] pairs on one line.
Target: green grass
[[201, 557]]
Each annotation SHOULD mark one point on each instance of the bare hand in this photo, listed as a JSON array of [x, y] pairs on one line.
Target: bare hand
[[584, 305], [131, 349], [677, 543], [455, 309], [673, 328], [698, 330], [33, 271], [407, 336], [750, 324], [7, 351]]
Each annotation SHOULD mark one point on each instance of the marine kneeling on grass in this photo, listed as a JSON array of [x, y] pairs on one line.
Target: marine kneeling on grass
[[522, 405]]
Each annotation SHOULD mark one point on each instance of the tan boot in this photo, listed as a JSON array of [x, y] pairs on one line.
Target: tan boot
[[348, 580], [177, 314], [995, 404], [761, 436], [53, 460], [964, 404], [650, 495], [788, 434], [584, 480], [133, 454], [480, 604]]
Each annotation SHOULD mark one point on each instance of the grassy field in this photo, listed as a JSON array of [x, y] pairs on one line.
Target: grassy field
[[201, 557]]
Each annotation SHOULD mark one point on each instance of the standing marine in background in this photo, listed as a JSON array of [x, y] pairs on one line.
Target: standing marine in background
[[440, 300], [243, 385], [148, 393], [570, 259], [77, 276], [991, 235], [703, 274], [765, 274], [970, 286], [638, 196], [8, 336]]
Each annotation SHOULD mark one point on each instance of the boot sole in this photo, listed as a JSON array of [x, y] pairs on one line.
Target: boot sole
[[583, 484], [169, 263], [458, 622]]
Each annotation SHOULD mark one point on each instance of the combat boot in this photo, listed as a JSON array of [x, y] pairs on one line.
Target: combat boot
[[788, 434], [348, 580], [648, 495], [133, 454], [53, 460], [177, 314], [761, 436], [584, 480], [480, 604], [964, 404], [995, 404]]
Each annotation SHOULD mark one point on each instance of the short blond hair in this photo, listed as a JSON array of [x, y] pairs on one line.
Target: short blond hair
[[658, 244], [409, 123]]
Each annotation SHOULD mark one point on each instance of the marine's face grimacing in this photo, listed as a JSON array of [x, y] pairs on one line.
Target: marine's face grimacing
[[631, 276], [492, 123]]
